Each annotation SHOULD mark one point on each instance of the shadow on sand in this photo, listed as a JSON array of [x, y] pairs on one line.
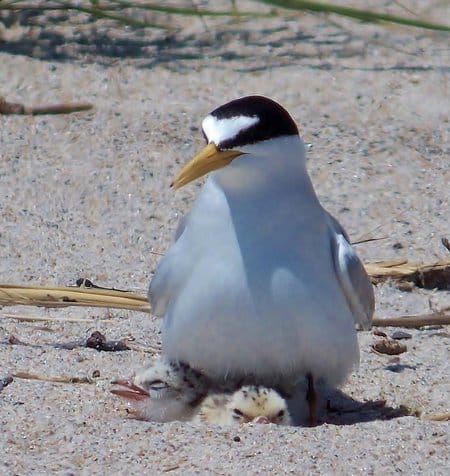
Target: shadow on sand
[[344, 410], [254, 47], [337, 408]]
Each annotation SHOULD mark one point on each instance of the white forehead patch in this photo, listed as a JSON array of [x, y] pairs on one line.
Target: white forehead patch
[[219, 130]]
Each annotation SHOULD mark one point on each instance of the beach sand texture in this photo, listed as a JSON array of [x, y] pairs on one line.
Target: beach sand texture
[[87, 195]]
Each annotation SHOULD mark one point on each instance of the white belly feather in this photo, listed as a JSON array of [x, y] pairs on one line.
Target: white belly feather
[[239, 307]]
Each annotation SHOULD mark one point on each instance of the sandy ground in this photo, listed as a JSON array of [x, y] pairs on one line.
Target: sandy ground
[[88, 195]]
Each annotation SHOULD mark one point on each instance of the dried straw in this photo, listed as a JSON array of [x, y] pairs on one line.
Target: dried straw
[[430, 276], [12, 294], [27, 318], [53, 379], [436, 275]]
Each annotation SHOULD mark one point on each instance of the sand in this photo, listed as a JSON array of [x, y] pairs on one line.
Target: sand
[[87, 195]]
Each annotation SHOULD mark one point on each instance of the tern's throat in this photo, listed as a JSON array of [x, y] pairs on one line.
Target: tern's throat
[[272, 167]]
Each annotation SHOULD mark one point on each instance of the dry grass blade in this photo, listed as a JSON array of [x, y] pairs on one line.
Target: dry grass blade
[[115, 10], [24, 318], [355, 13], [11, 294], [429, 276], [48, 378]]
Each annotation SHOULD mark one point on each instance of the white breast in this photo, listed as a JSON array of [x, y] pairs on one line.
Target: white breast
[[247, 295]]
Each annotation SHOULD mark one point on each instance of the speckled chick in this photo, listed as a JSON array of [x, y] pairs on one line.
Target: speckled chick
[[252, 403], [164, 391]]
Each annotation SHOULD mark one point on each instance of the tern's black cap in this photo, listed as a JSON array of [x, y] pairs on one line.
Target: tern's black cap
[[271, 121]]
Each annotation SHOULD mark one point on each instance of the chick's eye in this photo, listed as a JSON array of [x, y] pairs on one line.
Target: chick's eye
[[156, 385], [280, 413], [237, 413]]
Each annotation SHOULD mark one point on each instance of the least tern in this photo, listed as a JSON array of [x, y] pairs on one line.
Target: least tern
[[261, 284], [164, 391], [248, 404]]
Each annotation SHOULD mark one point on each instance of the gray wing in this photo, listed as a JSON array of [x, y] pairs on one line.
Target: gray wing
[[181, 226], [352, 276]]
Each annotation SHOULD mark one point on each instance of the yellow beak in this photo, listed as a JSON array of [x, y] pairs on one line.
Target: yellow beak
[[209, 159]]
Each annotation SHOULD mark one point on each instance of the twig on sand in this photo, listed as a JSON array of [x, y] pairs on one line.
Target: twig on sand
[[54, 379], [61, 108], [170, 468], [85, 283], [435, 319], [95, 341], [148, 349], [98, 341]]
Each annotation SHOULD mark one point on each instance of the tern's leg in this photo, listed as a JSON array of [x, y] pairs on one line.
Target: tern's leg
[[311, 398]]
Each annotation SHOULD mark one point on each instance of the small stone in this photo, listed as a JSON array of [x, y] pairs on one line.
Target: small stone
[[5, 381], [405, 286], [399, 335]]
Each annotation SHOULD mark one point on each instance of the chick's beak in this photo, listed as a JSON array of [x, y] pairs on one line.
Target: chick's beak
[[262, 419], [130, 391], [209, 159]]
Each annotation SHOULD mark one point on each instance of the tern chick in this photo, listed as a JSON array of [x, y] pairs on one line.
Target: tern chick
[[252, 403], [164, 391]]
